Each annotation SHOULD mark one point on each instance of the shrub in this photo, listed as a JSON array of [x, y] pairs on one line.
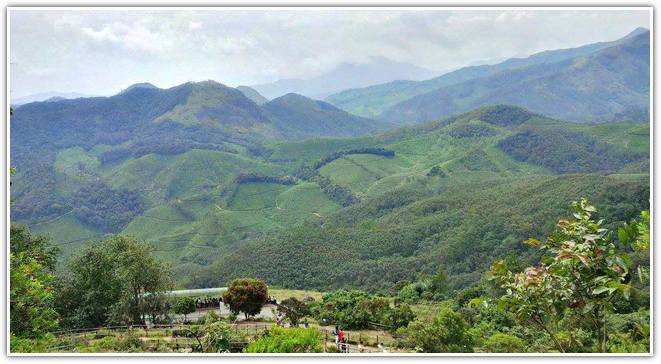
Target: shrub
[[447, 333], [290, 340], [504, 343]]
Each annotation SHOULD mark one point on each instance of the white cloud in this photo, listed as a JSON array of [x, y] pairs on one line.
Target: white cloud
[[101, 52]]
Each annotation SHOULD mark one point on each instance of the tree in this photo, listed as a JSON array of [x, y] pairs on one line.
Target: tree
[[31, 297], [439, 282], [35, 246], [32, 261], [293, 309], [184, 306], [246, 295], [400, 316], [113, 281], [577, 284], [446, 333], [291, 340]]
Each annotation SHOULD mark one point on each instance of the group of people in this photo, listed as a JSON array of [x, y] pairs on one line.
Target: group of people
[[271, 301], [208, 302], [282, 323]]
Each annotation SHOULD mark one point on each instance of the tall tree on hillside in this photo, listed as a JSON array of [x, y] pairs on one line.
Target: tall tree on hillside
[[113, 281]]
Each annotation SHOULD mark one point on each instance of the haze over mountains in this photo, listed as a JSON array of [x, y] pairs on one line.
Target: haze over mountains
[[44, 96], [560, 80], [328, 197], [345, 76]]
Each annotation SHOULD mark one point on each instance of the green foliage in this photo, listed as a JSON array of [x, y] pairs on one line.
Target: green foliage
[[38, 247], [565, 151], [30, 345], [246, 295], [31, 265], [411, 293], [446, 333], [356, 309], [184, 306], [117, 280], [288, 340], [216, 337], [293, 310], [636, 237], [400, 316], [31, 297], [128, 343], [576, 283], [106, 209], [504, 343]]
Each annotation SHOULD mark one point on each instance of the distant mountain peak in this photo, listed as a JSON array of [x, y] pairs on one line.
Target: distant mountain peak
[[637, 31], [140, 85], [376, 70]]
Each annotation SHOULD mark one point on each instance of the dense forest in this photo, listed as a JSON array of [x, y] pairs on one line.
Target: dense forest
[[590, 293]]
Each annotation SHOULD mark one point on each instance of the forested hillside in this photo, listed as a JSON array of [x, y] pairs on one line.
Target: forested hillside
[[611, 84], [558, 83], [346, 212]]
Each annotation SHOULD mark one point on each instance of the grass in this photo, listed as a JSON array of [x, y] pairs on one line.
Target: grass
[[283, 293]]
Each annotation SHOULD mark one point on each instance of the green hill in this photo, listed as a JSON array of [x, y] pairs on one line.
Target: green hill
[[299, 117], [407, 221], [458, 193], [374, 100], [611, 84]]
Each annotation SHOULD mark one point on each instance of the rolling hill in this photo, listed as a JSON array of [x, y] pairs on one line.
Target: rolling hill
[[485, 202], [375, 100], [611, 84], [344, 212], [143, 130], [299, 117]]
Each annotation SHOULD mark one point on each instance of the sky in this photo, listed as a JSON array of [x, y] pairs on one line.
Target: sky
[[101, 52]]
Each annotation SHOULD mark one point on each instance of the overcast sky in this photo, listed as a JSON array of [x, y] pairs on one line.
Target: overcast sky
[[102, 52]]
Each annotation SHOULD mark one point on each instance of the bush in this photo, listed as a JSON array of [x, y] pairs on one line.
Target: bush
[[447, 333], [400, 316], [291, 340], [216, 337], [504, 343], [355, 309], [115, 344]]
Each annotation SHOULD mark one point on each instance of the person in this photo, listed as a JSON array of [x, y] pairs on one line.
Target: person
[[305, 323], [342, 337], [336, 331]]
